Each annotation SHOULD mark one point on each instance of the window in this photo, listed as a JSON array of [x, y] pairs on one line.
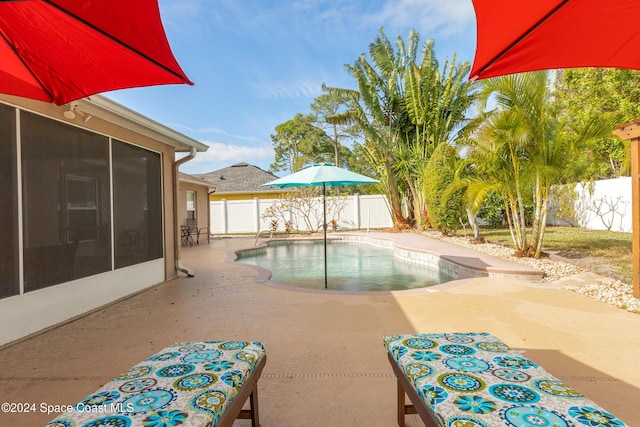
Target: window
[[82, 208], [137, 207], [9, 279], [65, 202], [67, 179], [191, 204]]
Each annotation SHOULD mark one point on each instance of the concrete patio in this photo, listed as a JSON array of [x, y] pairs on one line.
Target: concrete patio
[[326, 361]]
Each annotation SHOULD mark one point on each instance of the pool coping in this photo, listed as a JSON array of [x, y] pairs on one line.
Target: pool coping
[[461, 263], [457, 261]]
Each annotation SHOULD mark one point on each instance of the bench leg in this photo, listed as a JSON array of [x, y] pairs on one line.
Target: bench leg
[[252, 413], [401, 405], [403, 408], [418, 406], [253, 402]]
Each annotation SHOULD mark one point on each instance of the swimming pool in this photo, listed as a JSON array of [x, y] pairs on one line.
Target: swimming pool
[[351, 266]]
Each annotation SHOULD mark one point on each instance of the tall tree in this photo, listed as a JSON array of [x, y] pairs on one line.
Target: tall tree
[[587, 94], [436, 101], [328, 105], [522, 148], [493, 153], [378, 108], [296, 143], [405, 106]]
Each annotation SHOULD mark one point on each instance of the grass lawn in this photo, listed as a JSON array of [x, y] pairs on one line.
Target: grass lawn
[[610, 247]]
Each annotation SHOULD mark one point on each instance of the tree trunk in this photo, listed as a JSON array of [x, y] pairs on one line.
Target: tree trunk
[[516, 227], [510, 222], [543, 227], [535, 227], [544, 210], [336, 146], [473, 221], [415, 215], [522, 244], [394, 197]]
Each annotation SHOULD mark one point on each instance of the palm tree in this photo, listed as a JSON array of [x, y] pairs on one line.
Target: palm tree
[[377, 107], [436, 104], [496, 160], [522, 148], [405, 108]]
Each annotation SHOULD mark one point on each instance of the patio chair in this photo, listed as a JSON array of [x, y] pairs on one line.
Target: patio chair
[[192, 224], [186, 236]]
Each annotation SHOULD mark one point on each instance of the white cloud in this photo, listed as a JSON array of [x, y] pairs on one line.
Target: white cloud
[[426, 16], [213, 130], [226, 152], [290, 90], [179, 14], [221, 155]]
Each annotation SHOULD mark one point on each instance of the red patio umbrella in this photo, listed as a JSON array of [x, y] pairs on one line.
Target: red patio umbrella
[[61, 50], [529, 35]]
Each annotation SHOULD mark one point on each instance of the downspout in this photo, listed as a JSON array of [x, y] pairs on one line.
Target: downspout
[[176, 236]]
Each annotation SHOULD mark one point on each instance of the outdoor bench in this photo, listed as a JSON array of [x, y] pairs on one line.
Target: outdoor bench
[[475, 380], [189, 384]]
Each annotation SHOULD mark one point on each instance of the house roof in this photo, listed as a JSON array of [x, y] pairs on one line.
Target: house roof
[[240, 178], [192, 179], [111, 112]]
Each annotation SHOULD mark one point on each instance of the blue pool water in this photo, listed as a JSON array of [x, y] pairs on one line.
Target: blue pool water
[[350, 266]]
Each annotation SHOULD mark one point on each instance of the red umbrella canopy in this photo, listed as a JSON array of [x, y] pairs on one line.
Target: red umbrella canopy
[[61, 50], [530, 35]]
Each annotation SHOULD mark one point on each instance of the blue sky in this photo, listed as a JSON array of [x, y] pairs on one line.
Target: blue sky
[[256, 63]]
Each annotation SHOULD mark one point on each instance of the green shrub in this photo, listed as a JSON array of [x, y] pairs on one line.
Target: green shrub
[[492, 210], [444, 215]]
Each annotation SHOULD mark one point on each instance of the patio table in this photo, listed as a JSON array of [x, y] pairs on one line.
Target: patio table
[[476, 380], [192, 384]]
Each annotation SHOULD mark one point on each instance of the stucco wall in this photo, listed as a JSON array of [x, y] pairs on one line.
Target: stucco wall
[[202, 204], [34, 311]]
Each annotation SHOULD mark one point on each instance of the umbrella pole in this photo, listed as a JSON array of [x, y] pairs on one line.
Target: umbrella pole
[[324, 205]]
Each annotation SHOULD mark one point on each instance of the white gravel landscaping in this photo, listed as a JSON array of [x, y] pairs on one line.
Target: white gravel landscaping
[[607, 290]]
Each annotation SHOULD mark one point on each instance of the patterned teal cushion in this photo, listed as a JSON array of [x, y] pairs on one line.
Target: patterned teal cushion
[[189, 383], [474, 379]]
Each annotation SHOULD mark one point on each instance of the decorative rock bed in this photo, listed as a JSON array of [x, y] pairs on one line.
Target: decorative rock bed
[[610, 291]]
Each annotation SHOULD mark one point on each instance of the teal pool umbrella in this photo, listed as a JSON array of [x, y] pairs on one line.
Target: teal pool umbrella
[[322, 174]]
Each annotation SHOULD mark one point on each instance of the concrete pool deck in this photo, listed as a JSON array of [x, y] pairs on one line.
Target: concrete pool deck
[[327, 364]]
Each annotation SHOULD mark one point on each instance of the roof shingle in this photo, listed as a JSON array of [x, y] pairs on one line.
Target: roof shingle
[[240, 178]]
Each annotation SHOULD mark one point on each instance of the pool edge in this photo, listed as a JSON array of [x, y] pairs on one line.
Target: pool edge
[[463, 273]]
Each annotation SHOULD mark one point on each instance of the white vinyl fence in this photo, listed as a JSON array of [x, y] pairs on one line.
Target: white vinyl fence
[[248, 216], [608, 206]]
